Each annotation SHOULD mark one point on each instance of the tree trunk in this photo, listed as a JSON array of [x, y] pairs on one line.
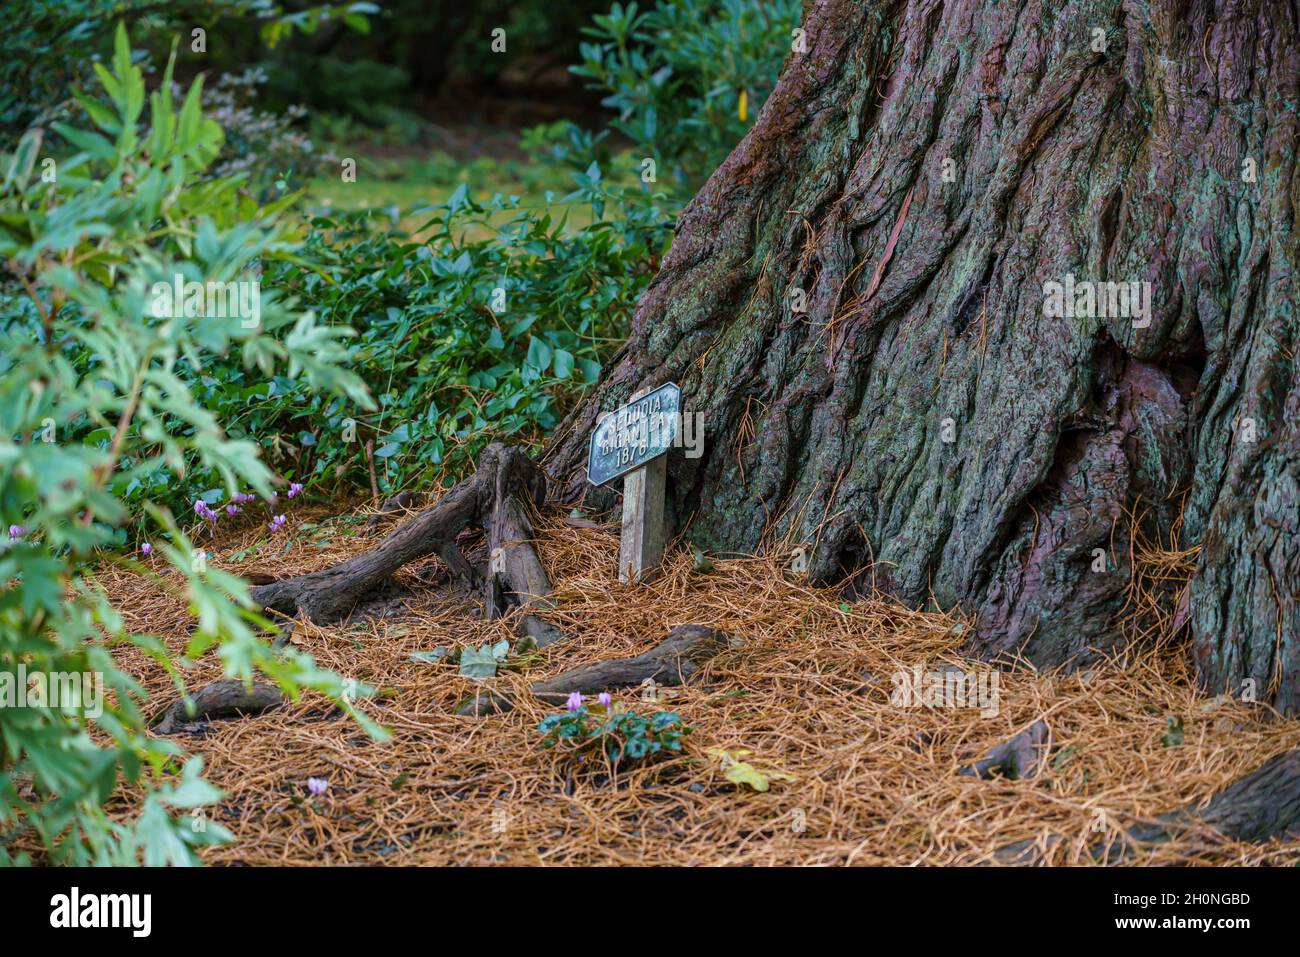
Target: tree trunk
[[928, 422]]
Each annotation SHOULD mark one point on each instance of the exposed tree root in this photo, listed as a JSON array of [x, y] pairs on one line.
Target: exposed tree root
[[1258, 807], [673, 661], [496, 498], [221, 699], [1020, 756]]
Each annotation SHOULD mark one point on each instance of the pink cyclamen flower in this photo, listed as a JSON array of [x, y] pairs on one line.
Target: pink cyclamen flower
[[146, 549], [575, 701], [17, 531], [233, 509], [295, 489], [277, 522], [605, 699], [317, 786]]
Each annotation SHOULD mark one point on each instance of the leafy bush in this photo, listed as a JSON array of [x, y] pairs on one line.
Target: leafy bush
[[687, 77], [451, 369], [48, 47], [620, 735], [95, 411], [463, 340], [363, 91]]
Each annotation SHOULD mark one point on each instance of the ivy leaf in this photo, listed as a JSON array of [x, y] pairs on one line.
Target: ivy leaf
[[539, 354]]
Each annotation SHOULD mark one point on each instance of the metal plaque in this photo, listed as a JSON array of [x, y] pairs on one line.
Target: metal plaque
[[633, 434]]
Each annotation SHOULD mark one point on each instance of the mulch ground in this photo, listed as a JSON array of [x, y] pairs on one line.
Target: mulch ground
[[806, 691]]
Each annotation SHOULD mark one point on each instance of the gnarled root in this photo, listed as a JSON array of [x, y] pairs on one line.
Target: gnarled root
[[497, 498], [1257, 807], [221, 699], [673, 661], [1020, 756]]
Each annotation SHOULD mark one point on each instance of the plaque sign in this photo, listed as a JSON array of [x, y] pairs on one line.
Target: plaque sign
[[634, 434]]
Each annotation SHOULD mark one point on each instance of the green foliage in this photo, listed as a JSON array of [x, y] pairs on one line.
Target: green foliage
[[96, 413], [487, 319], [1174, 731], [262, 144], [620, 735], [462, 339], [358, 96], [677, 74], [48, 47]]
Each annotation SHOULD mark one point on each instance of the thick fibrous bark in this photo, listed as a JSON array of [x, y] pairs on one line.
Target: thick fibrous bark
[[1258, 807], [673, 661], [918, 176], [221, 699], [496, 498]]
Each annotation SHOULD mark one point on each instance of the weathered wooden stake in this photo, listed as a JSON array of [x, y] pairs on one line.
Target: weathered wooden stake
[[641, 546], [633, 441]]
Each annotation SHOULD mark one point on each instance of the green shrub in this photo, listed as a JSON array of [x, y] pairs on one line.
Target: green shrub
[[96, 414], [463, 340], [48, 47], [451, 372], [676, 74]]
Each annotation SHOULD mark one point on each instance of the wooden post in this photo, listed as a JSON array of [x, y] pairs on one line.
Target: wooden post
[[653, 429], [641, 546], [641, 543]]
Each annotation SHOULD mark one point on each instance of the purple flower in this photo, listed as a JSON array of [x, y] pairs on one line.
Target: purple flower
[[16, 532], [233, 509], [317, 786], [575, 701], [295, 489], [277, 522], [605, 699], [146, 549]]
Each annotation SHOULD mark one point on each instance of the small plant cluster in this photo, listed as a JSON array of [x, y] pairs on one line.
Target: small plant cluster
[[485, 660], [236, 503], [621, 735]]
